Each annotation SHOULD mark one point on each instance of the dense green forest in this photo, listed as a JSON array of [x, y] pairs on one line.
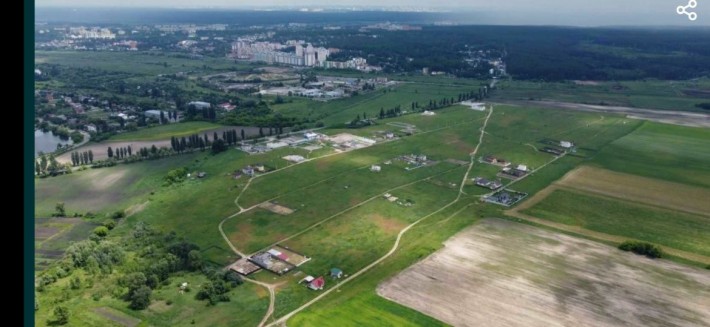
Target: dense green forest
[[531, 53]]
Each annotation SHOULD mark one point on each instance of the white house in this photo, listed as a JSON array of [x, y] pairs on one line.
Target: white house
[[375, 168], [310, 135], [91, 128], [566, 144], [522, 168]]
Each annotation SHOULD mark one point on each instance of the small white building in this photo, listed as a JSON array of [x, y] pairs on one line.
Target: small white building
[[276, 145], [566, 144], [91, 128], [200, 105], [375, 168], [522, 168], [428, 113], [310, 135]]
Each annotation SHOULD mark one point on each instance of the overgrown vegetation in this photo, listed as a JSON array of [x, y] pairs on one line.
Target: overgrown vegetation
[[642, 248]]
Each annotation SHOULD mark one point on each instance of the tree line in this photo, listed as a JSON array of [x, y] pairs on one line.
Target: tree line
[[83, 158]]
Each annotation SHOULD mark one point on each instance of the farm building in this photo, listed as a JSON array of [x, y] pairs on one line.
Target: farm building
[[317, 284], [522, 167], [248, 170], [310, 135], [201, 174], [428, 113], [276, 145], [482, 182], [294, 158], [308, 279], [566, 144], [336, 273], [375, 168], [496, 161], [553, 151]]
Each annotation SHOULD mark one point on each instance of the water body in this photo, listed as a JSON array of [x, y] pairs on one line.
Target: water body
[[47, 142]]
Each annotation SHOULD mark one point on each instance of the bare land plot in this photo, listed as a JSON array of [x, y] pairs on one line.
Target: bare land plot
[[276, 208], [499, 273], [117, 316], [649, 191]]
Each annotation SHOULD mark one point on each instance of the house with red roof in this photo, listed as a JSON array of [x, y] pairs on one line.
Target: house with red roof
[[317, 284]]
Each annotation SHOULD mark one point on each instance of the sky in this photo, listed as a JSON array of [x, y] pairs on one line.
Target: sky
[[554, 12]]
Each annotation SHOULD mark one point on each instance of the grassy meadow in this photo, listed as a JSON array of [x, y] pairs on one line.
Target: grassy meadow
[[613, 216]]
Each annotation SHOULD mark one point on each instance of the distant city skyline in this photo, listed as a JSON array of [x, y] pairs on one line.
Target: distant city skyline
[[552, 12]]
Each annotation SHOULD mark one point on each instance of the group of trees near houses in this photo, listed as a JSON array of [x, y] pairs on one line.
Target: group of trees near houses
[[83, 158]]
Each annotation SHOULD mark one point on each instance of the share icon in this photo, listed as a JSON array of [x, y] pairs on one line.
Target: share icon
[[683, 10]]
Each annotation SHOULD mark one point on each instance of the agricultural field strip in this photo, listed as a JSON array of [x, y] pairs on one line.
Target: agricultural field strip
[[284, 318], [682, 118], [541, 195], [656, 193]]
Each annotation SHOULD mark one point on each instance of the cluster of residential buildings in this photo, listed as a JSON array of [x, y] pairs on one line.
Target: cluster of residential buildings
[[387, 26], [91, 33], [305, 54], [269, 52]]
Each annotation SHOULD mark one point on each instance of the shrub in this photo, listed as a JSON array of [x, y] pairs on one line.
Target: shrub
[[118, 214], [642, 248], [110, 224], [101, 231]]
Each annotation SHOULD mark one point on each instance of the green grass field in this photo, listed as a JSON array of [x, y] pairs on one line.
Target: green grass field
[[338, 112], [105, 190], [651, 94], [673, 153], [134, 63], [164, 132], [617, 217], [247, 304]]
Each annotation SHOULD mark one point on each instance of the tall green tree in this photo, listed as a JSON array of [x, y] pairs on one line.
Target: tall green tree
[[109, 152]]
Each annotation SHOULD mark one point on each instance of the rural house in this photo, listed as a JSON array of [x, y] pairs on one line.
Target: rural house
[[317, 284]]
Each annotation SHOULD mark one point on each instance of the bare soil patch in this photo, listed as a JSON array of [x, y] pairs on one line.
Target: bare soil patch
[[387, 225], [117, 316], [500, 273], [103, 180], [276, 208], [43, 233]]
